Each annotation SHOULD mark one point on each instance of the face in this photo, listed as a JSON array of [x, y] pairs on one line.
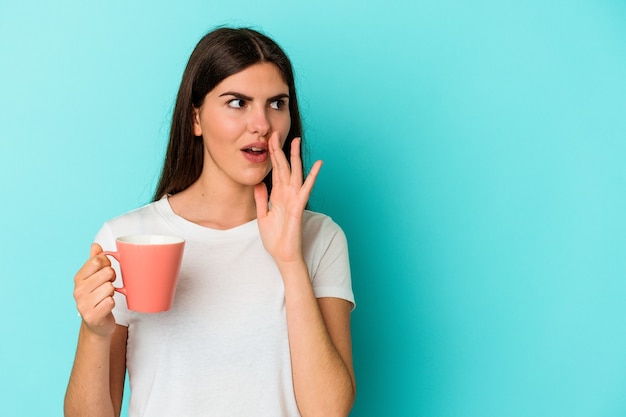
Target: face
[[236, 120]]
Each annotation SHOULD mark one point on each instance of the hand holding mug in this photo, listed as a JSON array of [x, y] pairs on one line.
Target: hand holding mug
[[93, 292]]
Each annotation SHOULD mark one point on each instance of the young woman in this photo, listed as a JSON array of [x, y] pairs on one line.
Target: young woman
[[261, 319]]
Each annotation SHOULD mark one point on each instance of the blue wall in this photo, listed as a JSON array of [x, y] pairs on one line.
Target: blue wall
[[474, 154]]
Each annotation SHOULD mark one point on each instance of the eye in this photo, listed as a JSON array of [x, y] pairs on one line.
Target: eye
[[236, 103], [278, 104]]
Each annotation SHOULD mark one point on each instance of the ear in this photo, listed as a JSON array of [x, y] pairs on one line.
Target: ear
[[197, 128]]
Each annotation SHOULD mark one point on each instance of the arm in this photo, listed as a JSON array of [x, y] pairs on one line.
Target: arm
[[97, 379], [319, 330], [321, 348]]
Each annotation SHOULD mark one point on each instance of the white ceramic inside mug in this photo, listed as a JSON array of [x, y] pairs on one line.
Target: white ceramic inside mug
[[150, 239]]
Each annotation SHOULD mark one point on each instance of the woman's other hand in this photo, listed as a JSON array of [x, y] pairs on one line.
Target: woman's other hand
[[93, 292]]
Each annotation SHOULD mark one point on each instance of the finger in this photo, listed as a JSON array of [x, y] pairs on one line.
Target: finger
[[103, 291], [106, 274], [104, 307], [95, 297], [94, 250], [260, 197], [85, 287], [296, 162], [307, 187], [93, 265], [280, 166], [98, 313]]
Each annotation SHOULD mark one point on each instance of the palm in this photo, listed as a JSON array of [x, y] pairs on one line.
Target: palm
[[280, 222]]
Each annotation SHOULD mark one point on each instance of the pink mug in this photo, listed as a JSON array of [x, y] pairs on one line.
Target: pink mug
[[150, 265]]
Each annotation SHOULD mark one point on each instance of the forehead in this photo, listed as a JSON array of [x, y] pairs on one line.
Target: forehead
[[256, 80]]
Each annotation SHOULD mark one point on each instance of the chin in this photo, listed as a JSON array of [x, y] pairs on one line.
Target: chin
[[253, 180]]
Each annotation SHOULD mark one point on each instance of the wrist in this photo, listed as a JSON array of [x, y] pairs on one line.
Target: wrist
[[92, 336], [291, 266]]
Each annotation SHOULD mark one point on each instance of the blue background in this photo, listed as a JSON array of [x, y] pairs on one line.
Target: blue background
[[474, 155]]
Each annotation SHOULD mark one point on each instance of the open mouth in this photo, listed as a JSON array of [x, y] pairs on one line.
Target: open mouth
[[255, 151]]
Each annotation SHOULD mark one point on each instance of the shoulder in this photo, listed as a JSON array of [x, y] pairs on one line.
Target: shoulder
[[132, 222], [140, 214], [319, 223], [320, 230]]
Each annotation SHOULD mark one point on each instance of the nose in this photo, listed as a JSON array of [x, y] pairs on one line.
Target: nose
[[259, 122]]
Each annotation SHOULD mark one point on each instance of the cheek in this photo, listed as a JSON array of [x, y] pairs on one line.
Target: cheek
[[284, 125], [225, 129]]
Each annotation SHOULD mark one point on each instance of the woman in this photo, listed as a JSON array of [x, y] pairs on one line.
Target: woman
[[261, 320]]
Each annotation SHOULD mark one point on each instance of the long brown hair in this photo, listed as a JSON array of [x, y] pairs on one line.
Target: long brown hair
[[219, 54]]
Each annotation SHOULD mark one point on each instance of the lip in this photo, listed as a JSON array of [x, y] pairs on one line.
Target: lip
[[258, 145], [256, 157]]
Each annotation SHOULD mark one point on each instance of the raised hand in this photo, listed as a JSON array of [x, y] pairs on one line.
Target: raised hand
[[280, 222], [93, 291]]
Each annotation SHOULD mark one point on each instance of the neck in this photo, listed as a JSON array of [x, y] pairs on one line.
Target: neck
[[214, 206]]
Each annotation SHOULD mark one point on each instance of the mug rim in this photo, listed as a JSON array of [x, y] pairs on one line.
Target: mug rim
[[150, 239]]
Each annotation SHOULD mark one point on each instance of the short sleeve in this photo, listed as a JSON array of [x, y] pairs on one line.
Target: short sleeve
[[330, 262]]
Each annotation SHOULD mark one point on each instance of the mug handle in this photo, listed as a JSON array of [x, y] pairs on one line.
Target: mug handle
[[115, 256]]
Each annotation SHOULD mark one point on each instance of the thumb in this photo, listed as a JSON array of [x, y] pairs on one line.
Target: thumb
[[95, 249]]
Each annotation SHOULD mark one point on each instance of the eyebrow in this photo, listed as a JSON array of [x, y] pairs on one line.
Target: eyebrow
[[248, 98]]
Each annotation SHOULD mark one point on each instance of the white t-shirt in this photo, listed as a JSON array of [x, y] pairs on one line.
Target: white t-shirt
[[222, 350]]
